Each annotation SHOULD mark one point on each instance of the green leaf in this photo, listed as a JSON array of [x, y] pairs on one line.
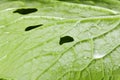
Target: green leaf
[[110, 4], [54, 40]]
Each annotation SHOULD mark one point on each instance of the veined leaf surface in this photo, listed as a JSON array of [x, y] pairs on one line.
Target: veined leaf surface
[[52, 44]]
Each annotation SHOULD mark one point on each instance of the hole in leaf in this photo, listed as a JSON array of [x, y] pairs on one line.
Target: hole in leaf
[[32, 27], [65, 39], [25, 11]]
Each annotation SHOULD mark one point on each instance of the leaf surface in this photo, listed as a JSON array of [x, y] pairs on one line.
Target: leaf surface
[[60, 41]]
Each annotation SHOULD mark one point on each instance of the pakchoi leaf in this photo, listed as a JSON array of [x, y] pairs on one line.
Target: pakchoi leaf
[[61, 41]]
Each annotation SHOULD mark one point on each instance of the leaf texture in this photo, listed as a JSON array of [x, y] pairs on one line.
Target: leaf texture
[[110, 4], [36, 54]]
